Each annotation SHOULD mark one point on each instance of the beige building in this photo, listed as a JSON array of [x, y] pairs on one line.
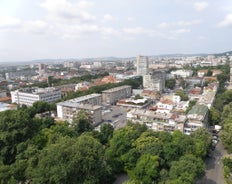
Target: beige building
[[154, 81], [91, 103], [158, 121], [111, 96]]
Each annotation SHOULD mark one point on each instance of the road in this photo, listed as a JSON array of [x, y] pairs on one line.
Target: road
[[214, 173]]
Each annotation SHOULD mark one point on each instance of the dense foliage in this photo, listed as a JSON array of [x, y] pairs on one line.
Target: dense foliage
[[38, 150]]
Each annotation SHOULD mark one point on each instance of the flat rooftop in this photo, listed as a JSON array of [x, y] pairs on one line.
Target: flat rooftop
[[38, 90], [77, 101], [116, 89]]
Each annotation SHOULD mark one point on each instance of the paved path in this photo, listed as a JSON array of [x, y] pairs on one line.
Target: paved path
[[214, 173]]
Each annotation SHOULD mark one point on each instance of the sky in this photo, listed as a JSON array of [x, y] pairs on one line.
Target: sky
[[60, 29]]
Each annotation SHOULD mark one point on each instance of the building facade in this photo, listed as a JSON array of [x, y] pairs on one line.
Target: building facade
[[158, 121], [154, 81], [91, 103], [111, 96], [197, 117], [142, 65], [28, 96]]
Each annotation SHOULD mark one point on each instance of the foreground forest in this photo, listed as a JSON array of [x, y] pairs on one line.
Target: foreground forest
[[38, 150]]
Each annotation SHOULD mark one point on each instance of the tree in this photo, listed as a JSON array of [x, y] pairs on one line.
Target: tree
[[182, 94], [202, 139], [82, 122], [209, 72], [170, 83], [138, 97], [191, 104], [187, 169], [226, 136], [149, 143], [121, 143], [106, 133], [41, 106], [146, 170], [15, 127], [214, 116], [71, 161]]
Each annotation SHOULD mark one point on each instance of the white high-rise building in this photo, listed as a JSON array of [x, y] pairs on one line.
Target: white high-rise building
[[142, 65]]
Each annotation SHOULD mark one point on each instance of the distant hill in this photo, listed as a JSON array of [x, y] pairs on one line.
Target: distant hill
[[228, 53]]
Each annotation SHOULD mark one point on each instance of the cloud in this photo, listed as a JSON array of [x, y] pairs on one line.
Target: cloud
[[9, 22], [227, 21], [66, 10], [163, 25], [180, 23], [180, 31], [107, 17], [37, 26], [187, 23], [130, 19], [199, 6]]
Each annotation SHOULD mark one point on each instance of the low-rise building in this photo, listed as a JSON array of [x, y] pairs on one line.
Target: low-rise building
[[158, 121], [182, 73], [91, 103], [111, 96], [68, 110], [28, 96], [197, 117], [134, 103], [5, 106]]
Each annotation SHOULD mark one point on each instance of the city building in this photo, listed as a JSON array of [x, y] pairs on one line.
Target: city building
[[111, 96], [135, 103], [42, 69], [5, 106], [158, 121], [28, 96], [91, 103], [182, 73], [154, 81], [25, 75], [197, 117], [68, 110], [142, 65]]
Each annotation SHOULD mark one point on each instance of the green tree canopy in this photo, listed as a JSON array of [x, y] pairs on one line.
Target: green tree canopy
[[71, 161]]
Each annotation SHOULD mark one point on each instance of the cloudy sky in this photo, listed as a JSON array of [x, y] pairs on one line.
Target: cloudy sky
[[37, 29]]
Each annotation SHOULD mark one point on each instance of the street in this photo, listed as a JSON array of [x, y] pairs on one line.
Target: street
[[214, 172]]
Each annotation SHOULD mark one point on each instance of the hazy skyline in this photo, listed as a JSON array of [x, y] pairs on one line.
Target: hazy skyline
[[38, 29]]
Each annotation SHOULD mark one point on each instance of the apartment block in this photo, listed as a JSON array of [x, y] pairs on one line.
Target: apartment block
[[158, 121], [142, 65], [154, 81], [111, 96], [28, 96], [197, 117], [91, 103]]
